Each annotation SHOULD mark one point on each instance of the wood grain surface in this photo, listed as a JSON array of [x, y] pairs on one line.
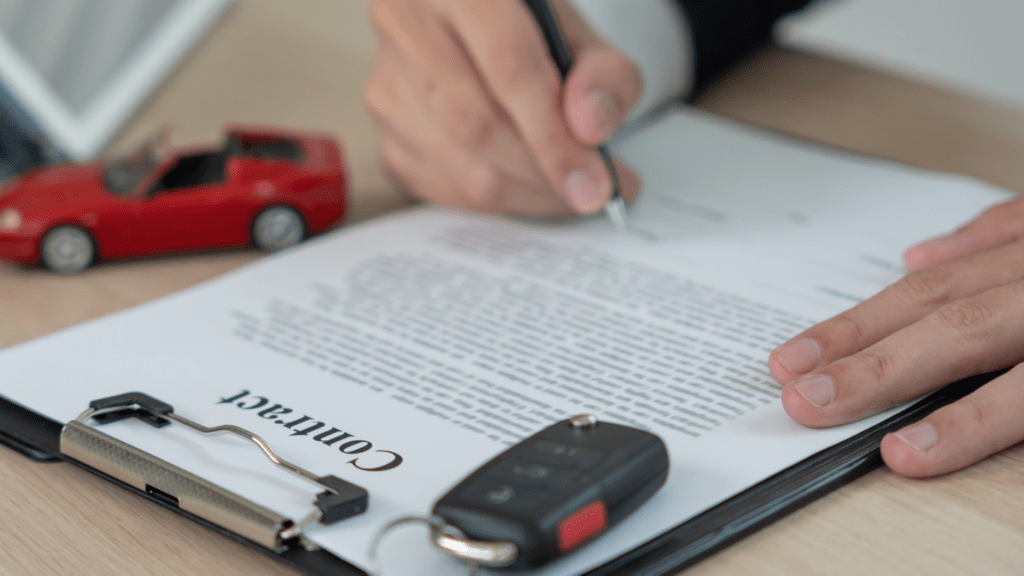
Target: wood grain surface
[[301, 64]]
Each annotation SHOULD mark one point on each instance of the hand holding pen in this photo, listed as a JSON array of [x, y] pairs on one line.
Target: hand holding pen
[[561, 54], [474, 113]]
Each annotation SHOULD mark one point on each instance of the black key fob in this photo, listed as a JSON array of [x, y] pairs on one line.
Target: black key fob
[[557, 489]]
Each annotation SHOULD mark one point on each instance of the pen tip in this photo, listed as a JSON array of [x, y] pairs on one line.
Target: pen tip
[[616, 211]]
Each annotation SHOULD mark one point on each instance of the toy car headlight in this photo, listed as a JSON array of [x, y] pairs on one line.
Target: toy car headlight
[[10, 220]]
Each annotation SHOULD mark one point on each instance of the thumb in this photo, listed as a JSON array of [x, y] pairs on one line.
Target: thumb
[[603, 85]]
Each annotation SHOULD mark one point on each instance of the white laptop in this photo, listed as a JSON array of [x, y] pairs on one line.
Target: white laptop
[[72, 71]]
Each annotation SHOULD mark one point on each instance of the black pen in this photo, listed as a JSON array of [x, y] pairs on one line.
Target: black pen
[[559, 48]]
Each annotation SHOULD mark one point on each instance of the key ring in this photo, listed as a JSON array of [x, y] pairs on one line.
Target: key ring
[[452, 542], [435, 524]]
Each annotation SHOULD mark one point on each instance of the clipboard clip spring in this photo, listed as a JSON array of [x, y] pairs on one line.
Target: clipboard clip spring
[[339, 500]]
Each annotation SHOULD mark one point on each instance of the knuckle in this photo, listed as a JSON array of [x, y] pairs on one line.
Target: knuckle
[[374, 95], [878, 363], [970, 319], [468, 120], [930, 286], [381, 102], [971, 411], [845, 327], [508, 66]]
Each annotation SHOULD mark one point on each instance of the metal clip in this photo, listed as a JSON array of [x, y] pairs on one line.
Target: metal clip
[[189, 492]]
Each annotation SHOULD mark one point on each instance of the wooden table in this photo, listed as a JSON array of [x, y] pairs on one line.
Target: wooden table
[[302, 65]]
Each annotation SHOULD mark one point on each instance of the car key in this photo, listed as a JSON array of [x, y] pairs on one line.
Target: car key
[[550, 493]]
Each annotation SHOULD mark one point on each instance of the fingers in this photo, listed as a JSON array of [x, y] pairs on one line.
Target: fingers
[[441, 88], [513, 61], [498, 146], [898, 306], [933, 327], [977, 426], [997, 226], [603, 86], [969, 336], [432, 184], [438, 168]]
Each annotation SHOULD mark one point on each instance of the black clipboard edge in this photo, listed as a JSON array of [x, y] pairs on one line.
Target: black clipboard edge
[[775, 497], [38, 437], [29, 433]]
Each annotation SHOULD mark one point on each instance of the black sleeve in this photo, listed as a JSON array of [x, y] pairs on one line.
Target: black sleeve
[[726, 30]]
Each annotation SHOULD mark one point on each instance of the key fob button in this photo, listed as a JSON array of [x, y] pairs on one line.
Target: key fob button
[[503, 495], [533, 474], [564, 455], [500, 495]]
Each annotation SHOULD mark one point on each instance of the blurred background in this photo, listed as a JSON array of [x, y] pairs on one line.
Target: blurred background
[[77, 46], [81, 78], [969, 45]]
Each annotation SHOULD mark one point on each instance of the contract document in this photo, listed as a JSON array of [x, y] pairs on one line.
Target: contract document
[[401, 353]]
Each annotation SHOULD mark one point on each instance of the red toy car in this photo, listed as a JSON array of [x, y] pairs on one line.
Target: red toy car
[[262, 187]]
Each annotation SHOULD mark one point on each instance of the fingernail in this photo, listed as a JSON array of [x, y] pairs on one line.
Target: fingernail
[[800, 356], [921, 436], [583, 187], [818, 390], [601, 110]]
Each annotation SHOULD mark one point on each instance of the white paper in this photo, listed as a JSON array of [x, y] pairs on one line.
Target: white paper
[[443, 336]]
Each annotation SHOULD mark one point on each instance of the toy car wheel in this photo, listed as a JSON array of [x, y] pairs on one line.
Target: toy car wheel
[[67, 250], [277, 228]]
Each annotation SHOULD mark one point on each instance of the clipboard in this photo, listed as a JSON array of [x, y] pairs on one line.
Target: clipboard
[[408, 255], [39, 438]]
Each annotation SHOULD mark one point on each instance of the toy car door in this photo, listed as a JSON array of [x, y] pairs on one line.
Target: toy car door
[[189, 207]]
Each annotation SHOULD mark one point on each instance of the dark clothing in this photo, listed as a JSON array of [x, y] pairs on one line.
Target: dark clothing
[[726, 30]]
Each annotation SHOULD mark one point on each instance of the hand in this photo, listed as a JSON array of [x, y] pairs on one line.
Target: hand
[[473, 113], [959, 312]]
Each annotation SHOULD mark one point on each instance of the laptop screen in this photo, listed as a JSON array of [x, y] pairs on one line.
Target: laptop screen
[[74, 70]]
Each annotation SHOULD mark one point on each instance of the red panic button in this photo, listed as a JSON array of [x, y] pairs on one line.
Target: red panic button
[[582, 525]]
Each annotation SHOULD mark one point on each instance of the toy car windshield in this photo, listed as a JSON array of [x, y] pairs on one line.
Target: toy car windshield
[[264, 147], [124, 174]]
